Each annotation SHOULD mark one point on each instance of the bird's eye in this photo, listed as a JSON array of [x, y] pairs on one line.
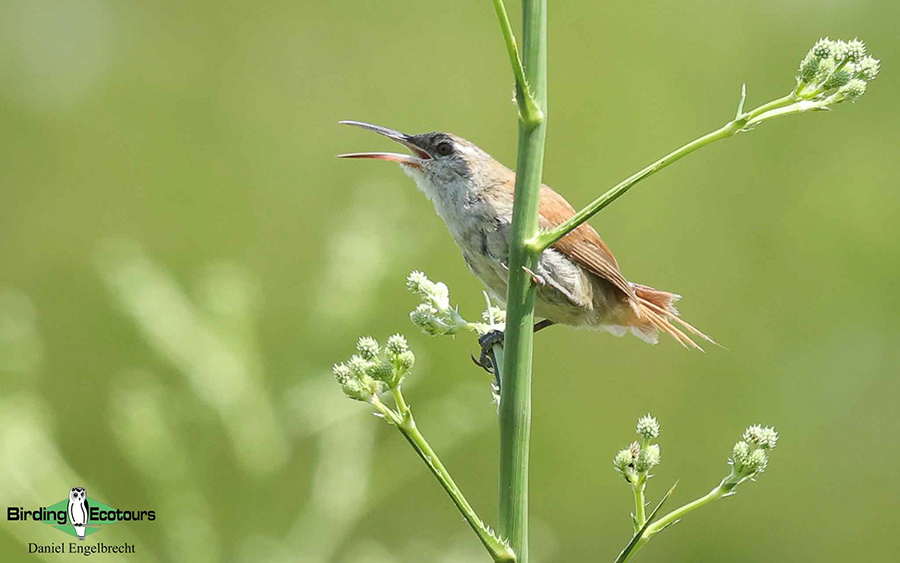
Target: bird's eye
[[445, 149]]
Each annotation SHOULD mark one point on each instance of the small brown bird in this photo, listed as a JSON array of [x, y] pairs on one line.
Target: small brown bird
[[579, 281]]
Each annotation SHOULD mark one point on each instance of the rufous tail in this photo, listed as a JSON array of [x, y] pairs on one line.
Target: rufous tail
[[657, 312]]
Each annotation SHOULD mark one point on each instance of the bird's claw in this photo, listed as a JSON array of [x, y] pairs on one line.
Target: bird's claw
[[485, 357]]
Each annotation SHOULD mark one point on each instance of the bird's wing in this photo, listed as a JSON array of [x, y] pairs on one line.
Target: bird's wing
[[583, 245]]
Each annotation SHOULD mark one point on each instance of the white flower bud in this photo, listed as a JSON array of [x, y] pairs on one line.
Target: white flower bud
[[396, 345], [822, 49], [623, 460], [648, 427], [855, 50], [764, 437], [868, 68], [647, 458], [853, 89], [368, 348], [418, 283]]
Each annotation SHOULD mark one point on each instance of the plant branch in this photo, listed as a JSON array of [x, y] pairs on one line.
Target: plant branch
[[742, 122], [529, 110], [515, 403], [639, 534], [499, 550], [675, 516]]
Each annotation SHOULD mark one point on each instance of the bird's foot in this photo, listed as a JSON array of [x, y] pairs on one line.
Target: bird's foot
[[485, 359], [487, 341]]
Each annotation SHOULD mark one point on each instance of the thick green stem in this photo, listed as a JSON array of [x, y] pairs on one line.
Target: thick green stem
[[640, 505], [515, 403], [500, 552], [740, 123]]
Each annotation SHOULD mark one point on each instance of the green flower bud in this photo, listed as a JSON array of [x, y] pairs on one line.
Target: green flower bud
[[839, 50], [647, 458], [423, 317], [648, 427], [837, 79], [418, 283], [822, 49], [405, 361], [808, 67], [853, 89], [855, 50], [760, 436], [739, 454], [493, 314], [756, 461], [826, 67], [623, 460], [341, 372], [357, 390], [358, 366], [868, 68], [395, 346], [383, 371], [368, 348]]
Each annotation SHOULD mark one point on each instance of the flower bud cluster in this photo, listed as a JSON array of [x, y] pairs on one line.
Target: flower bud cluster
[[835, 71], [750, 455], [372, 370], [434, 315], [493, 316], [640, 457]]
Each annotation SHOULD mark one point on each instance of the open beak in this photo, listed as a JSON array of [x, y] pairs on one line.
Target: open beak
[[416, 159]]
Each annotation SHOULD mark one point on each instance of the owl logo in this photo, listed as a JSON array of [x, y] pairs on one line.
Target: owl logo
[[79, 510]]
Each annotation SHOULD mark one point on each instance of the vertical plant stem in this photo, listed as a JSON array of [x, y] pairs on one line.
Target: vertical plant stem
[[515, 404], [640, 505]]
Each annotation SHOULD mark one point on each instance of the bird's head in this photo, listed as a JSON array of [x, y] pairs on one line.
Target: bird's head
[[438, 158]]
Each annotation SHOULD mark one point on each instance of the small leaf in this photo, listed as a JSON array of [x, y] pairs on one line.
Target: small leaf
[[637, 537], [740, 109]]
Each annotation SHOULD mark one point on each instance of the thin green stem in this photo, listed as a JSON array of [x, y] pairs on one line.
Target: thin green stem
[[515, 402], [793, 109], [741, 123], [529, 110], [679, 513], [402, 407], [499, 551], [676, 515]]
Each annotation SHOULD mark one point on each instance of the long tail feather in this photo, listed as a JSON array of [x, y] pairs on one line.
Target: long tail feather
[[658, 308], [664, 325]]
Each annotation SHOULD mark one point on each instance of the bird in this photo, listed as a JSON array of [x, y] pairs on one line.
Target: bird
[[579, 282], [78, 510]]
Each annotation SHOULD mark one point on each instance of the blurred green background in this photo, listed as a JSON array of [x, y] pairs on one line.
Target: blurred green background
[[183, 259]]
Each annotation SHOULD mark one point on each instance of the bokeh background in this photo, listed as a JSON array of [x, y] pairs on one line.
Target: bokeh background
[[183, 259]]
